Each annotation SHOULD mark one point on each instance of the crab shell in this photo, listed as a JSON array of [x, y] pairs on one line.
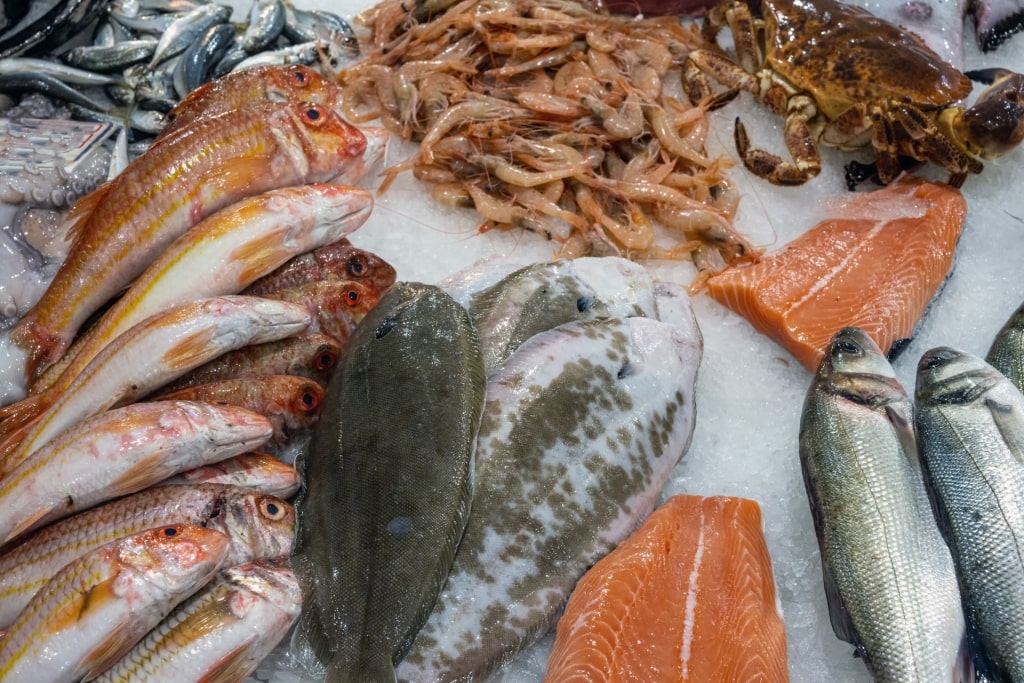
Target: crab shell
[[843, 55]]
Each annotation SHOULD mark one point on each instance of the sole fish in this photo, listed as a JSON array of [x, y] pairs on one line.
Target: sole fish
[[689, 596], [876, 265], [257, 526], [389, 481], [970, 424], [97, 607], [582, 428], [889, 577]]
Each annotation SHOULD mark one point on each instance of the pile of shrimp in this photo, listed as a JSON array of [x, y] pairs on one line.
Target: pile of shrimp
[[553, 117]]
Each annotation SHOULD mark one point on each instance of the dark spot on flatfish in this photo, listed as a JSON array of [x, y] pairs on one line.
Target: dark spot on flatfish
[[386, 325]]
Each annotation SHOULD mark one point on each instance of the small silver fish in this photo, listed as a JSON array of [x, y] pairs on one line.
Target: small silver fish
[[389, 481], [889, 577], [970, 426], [1007, 351]]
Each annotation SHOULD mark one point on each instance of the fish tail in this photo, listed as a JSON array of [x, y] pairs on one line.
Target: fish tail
[[43, 347]]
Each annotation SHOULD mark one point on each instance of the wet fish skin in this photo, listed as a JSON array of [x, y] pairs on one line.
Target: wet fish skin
[[186, 29], [258, 525], [393, 495], [889, 577], [336, 306], [110, 59], [226, 629], [256, 471], [48, 85], [582, 427], [970, 425], [97, 607], [192, 174], [1007, 351], [197, 61], [266, 22], [120, 452], [337, 261]]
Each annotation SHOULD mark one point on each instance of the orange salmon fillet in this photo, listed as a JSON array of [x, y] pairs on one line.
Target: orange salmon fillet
[[876, 265], [689, 596]]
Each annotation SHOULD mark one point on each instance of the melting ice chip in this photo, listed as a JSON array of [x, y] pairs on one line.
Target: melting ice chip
[[400, 525]]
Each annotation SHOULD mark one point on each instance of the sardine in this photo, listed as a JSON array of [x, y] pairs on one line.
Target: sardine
[[291, 404], [120, 228], [1007, 351], [108, 59], [65, 74], [255, 471], [97, 607], [583, 426], [970, 426], [266, 22], [120, 452], [48, 85], [258, 526], [221, 633], [160, 349], [392, 494], [303, 53], [337, 261], [223, 254], [186, 29], [197, 61], [889, 577]]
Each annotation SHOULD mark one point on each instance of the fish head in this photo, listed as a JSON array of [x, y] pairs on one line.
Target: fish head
[[336, 203], [259, 525], [303, 404], [176, 556], [367, 267], [948, 376], [299, 83], [852, 352], [376, 147], [272, 580], [316, 356], [330, 144]]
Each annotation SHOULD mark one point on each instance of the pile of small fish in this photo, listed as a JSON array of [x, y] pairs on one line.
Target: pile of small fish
[[919, 506], [552, 117], [208, 289], [472, 461]]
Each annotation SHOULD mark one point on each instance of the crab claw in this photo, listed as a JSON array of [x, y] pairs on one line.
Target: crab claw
[[995, 124]]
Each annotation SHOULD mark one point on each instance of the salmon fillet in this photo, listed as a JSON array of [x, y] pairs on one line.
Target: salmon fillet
[[875, 265], [689, 596]]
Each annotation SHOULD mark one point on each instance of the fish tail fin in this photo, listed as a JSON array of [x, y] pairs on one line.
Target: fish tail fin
[[41, 346]]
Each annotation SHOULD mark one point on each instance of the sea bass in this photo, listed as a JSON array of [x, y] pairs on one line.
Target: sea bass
[[582, 428], [389, 481], [121, 227], [1007, 351], [970, 425], [221, 633], [119, 452], [889, 577], [257, 525], [97, 607]]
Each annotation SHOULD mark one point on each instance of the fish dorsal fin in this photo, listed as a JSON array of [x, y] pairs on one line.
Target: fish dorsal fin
[[903, 425], [232, 667], [1009, 420], [78, 215]]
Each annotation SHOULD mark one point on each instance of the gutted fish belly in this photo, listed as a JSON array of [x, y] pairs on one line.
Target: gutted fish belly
[[389, 480], [970, 425], [689, 596], [889, 577], [582, 428]]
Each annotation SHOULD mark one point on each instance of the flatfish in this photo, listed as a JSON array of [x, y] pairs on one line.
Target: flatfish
[[582, 427], [389, 481]]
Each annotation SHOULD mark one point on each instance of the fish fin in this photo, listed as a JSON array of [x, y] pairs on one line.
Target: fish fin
[[192, 97], [904, 426], [234, 176], [20, 413], [80, 607], [190, 352], [78, 215], [261, 257], [233, 666], [145, 473], [115, 645], [25, 525], [1010, 423], [965, 671]]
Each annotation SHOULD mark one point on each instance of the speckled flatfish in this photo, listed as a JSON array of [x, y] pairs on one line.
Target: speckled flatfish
[[582, 427], [541, 296], [389, 481]]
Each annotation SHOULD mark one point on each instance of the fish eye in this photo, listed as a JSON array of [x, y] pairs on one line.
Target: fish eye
[[386, 325], [314, 114], [170, 531], [272, 509], [309, 400], [353, 297], [845, 346], [325, 360], [299, 76], [356, 266], [584, 303]]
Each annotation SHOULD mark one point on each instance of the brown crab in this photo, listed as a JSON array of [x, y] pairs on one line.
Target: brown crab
[[845, 78]]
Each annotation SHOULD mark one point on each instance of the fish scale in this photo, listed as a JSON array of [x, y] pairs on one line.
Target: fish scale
[[582, 427]]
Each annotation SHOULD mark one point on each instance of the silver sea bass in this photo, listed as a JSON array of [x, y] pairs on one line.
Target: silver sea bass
[[889, 577], [389, 481], [1007, 351], [583, 426], [970, 422]]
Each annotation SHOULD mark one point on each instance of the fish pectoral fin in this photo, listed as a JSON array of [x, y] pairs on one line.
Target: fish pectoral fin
[[115, 645], [234, 176], [25, 525], [79, 609], [233, 666], [904, 427], [1010, 426], [78, 215], [145, 473]]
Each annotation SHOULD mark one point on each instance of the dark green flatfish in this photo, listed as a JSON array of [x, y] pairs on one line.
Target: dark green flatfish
[[388, 482]]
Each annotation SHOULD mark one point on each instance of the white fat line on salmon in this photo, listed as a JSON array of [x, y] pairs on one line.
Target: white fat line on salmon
[[691, 600], [840, 267]]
